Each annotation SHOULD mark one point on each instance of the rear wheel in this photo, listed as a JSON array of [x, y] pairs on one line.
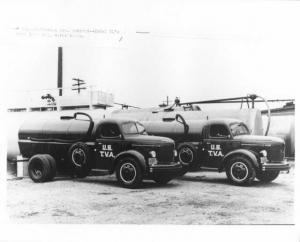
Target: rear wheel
[[240, 171], [129, 172], [39, 168], [267, 176], [52, 164], [187, 155], [79, 160]]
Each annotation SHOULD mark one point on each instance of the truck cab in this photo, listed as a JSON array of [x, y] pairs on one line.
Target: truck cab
[[225, 145], [84, 144]]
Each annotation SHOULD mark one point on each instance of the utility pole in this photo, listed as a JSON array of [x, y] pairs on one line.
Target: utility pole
[[78, 84]]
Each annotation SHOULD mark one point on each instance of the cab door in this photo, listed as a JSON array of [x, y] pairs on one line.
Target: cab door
[[216, 144], [108, 144]]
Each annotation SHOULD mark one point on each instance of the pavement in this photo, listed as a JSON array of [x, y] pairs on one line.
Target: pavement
[[202, 197]]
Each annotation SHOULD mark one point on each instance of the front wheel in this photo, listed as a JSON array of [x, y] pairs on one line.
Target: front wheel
[[129, 173], [267, 176], [240, 171]]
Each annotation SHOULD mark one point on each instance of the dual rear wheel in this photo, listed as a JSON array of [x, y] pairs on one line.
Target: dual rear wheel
[[42, 168]]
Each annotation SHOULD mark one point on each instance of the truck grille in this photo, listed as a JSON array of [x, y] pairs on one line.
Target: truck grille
[[166, 154], [276, 153]]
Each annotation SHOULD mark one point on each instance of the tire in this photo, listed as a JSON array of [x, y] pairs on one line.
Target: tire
[[52, 163], [162, 180], [240, 171], [39, 168], [187, 155], [79, 160], [129, 173], [267, 176]]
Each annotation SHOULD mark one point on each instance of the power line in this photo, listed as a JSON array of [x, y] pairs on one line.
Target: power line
[[78, 84]]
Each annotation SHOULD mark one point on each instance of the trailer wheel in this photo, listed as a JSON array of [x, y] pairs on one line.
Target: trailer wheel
[[39, 168], [267, 176], [52, 163], [79, 160], [187, 155], [240, 171], [129, 172]]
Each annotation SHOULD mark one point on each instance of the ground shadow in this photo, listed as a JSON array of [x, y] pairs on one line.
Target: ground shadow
[[225, 181], [147, 184]]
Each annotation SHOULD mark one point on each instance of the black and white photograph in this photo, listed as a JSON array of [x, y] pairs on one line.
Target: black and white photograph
[[162, 120]]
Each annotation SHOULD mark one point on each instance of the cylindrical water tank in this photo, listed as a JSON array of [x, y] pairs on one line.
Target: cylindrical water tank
[[283, 126], [251, 117]]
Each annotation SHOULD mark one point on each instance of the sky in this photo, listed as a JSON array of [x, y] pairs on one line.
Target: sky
[[148, 50]]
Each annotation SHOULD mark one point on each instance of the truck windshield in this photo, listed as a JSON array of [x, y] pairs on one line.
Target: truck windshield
[[239, 129], [133, 128]]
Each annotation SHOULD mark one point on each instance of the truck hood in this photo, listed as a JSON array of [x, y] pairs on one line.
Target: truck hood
[[149, 139], [258, 138]]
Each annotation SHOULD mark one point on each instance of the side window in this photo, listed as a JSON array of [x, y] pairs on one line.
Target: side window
[[109, 130], [218, 131]]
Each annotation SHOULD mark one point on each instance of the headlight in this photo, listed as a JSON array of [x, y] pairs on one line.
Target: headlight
[[175, 153], [152, 153], [263, 153]]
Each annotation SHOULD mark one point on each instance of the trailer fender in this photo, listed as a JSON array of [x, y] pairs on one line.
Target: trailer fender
[[242, 152], [131, 153]]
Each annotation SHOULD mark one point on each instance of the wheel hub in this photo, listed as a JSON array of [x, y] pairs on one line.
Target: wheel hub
[[239, 171], [78, 157], [186, 155], [127, 172], [37, 173]]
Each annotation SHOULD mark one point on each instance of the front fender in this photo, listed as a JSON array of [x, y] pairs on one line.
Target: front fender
[[244, 152], [132, 153]]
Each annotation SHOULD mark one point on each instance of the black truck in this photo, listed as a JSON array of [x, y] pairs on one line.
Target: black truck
[[225, 145], [81, 144]]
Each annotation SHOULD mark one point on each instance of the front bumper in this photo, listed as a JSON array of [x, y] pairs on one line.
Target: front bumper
[[173, 169], [282, 166]]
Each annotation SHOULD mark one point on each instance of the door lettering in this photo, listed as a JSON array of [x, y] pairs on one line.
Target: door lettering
[[215, 150], [106, 151]]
